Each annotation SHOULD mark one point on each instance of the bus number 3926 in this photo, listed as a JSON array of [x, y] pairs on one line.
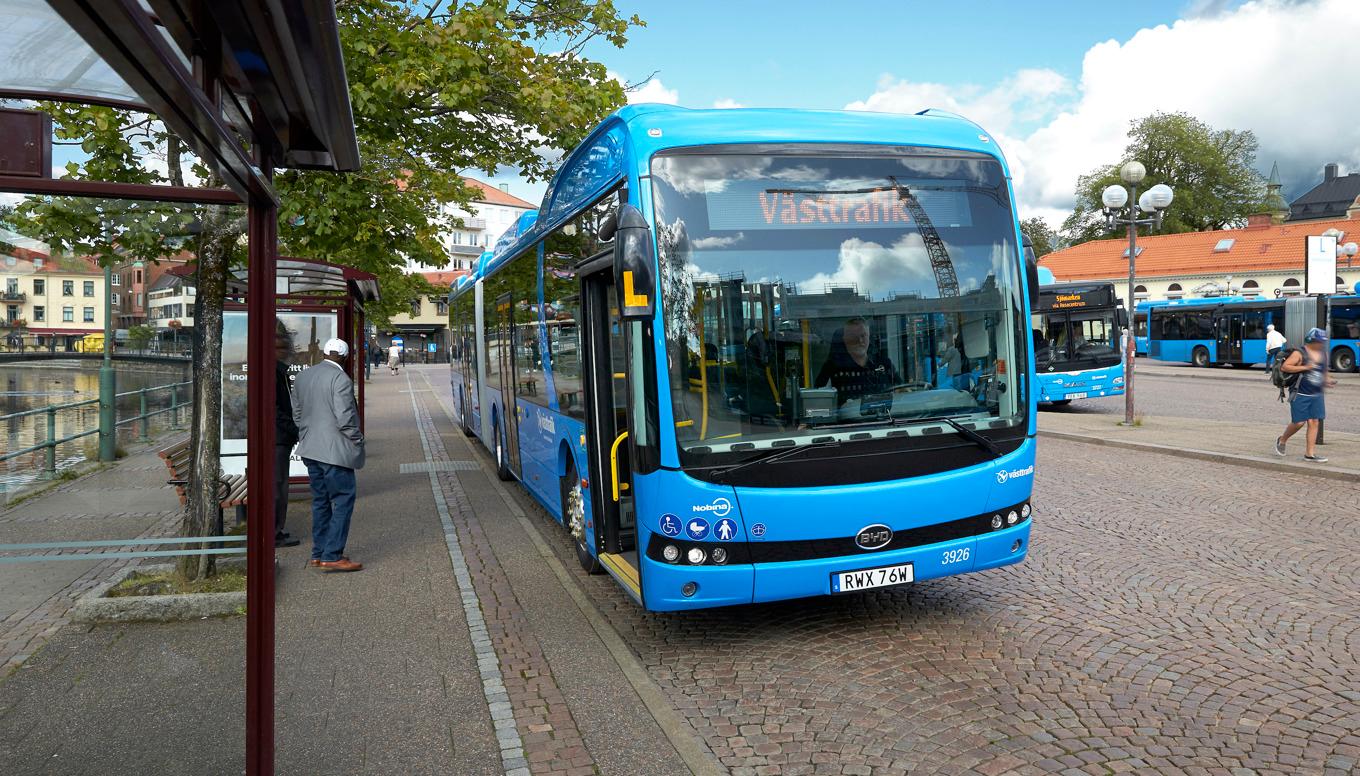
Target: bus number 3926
[[954, 556]]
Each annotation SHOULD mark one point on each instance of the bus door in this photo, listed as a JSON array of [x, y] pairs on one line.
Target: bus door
[[1229, 333], [606, 340], [505, 379]]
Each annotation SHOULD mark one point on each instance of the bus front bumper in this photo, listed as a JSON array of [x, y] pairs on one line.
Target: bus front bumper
[[665, 584]]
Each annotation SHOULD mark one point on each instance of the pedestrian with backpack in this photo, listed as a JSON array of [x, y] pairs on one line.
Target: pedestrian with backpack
[[1306, 407]]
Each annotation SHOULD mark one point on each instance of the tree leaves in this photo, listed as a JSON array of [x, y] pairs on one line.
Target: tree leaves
[[1211, 170]]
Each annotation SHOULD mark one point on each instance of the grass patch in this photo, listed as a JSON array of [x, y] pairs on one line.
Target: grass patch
[[229, 580]]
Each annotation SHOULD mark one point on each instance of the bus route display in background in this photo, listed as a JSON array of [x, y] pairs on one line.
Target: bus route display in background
[[307, 331]]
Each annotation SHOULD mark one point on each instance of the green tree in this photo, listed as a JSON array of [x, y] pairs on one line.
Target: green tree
[[140, 336], [437, 89], [1212, 171], [1042, 236]]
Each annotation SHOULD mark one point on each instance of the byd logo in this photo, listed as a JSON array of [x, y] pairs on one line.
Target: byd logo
[[720, 507], [1003, 475]]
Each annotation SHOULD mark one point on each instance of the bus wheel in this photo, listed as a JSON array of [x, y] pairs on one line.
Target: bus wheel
[[1200, 356], [466, 414], [574, 519], [1343, 360], [502, 466], [1060, 402]]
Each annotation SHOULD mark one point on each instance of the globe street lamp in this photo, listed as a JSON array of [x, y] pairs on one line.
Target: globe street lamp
[[1120, 208]]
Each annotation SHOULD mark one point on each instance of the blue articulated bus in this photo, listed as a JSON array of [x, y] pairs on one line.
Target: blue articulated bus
[[752, 355], [1232, 330], [1077, 342]]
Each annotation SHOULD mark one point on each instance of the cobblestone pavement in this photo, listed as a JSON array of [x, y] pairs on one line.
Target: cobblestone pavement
[[1197, 623]]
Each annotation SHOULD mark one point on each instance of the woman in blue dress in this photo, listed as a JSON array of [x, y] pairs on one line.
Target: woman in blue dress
[[1306, 405]]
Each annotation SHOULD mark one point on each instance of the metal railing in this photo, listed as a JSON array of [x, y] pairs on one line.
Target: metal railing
[[49, 446]]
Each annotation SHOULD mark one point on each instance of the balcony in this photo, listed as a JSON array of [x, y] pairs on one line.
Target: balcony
[[467, 250], [13, 296]]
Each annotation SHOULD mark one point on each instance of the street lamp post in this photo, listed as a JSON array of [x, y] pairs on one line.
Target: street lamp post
[[1120, 208]]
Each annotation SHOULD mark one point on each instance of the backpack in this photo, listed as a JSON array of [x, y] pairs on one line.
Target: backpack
[[1285, 381]]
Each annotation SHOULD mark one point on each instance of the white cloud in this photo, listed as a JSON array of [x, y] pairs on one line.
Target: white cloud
[[1272, 66], [726, 103], [651, 90], [878, 270]]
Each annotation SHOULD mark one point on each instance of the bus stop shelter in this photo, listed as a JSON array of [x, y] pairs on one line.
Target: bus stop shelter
[[249, 86], [314, 302]]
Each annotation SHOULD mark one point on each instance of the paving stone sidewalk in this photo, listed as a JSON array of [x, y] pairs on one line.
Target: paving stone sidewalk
[[129, 500], [456, 650], [1245, 443]]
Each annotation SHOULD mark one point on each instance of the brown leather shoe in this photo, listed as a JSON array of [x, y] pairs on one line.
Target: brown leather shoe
[[344, 564], [315, 562]]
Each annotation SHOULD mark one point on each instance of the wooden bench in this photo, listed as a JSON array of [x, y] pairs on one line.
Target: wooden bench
[[231, 490]]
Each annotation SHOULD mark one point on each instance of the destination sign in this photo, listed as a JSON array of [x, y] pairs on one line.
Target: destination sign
[[1091, 297], [772, 204]]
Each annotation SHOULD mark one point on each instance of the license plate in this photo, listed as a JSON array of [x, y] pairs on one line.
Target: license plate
[[1076, 396], [865, 579]]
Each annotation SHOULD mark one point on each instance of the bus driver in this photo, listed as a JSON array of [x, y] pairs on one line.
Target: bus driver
[[851, 368]]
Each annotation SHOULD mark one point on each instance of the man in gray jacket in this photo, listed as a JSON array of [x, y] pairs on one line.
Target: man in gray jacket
[[332, 446]]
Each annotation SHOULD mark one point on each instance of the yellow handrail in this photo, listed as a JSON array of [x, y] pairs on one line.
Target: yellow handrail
[[614, 463]]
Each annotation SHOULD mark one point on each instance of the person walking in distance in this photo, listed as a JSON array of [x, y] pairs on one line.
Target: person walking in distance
[[1275, 341], [285, 433], [394, 358], [332, 446], [1305, 402]]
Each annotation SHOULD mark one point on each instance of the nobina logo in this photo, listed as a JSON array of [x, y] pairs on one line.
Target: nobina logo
[[720, 507], [1004, 475]]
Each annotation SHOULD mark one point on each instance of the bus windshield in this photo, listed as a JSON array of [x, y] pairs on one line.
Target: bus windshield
[[814, 295], [1067, 342]]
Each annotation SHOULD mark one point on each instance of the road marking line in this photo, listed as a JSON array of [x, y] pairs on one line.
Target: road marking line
[[693, 752], [492, 675]]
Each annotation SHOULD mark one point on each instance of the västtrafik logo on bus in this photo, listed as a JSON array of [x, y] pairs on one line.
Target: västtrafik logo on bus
[[1003, 475], [720, 507]]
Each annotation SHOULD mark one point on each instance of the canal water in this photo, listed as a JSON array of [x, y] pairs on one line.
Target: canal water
[[39, 384]]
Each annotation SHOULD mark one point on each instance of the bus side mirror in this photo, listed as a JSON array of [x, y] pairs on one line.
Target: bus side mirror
[[1122, 316], [634, 263], [1031, 272]]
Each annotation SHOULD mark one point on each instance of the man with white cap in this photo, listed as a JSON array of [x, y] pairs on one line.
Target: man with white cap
[[332, 446]]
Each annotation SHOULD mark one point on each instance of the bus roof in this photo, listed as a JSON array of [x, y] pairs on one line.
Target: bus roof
[[598, 162]]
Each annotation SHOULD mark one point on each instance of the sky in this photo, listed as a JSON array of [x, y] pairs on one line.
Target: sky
[[1056, 82]]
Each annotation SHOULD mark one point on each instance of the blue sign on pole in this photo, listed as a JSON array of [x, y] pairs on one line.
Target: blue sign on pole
[[399, 342]]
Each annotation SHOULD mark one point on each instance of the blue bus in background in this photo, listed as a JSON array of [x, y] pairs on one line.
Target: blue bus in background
[[1077, 331], [1232, 330], [752, 355]]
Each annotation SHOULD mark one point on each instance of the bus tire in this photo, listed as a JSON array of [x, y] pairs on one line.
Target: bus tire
[[1200, 356], [502, 464], [466, 414], [1343, 360], [1060, 402], [574, 518]]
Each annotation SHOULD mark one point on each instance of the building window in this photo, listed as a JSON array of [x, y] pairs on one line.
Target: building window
[[1140, 292], [88, 288], [39, 287], [415, 308], [139, 299], [12, 285], [1291, 286], [39, 313], [88, 314], [441, 307], [68, 288], [139, 276], [1174, 291], [113, 298], [117, 279], [68, 314]]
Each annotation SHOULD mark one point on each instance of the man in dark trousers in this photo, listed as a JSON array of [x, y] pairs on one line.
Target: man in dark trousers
[[332, 446], [285, 433]]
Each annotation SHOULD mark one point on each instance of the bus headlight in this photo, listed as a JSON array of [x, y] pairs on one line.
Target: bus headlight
[[996, 521], [696, 555], [1025, 510], [671, 553], [719, 555], [1012, 517]]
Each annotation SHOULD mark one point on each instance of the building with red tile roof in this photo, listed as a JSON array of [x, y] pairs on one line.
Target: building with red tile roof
[[493, 211], [1259, 259]]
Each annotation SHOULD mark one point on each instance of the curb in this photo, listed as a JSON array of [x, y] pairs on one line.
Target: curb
[[94, 608], [1233, 375], [1272, 464]]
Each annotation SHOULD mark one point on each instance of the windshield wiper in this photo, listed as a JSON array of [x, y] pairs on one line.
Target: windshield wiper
[[777, 455], [966, 433]]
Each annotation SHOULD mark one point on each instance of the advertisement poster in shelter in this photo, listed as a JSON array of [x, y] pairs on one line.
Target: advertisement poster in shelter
[[306, 332]]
